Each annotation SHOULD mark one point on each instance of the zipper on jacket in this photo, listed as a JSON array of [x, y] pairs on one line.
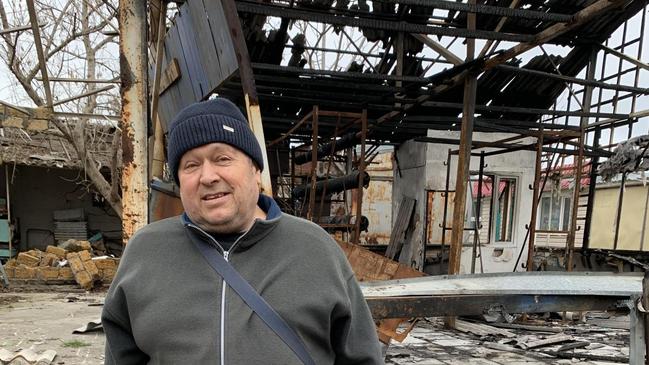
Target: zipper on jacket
[[226, 256]]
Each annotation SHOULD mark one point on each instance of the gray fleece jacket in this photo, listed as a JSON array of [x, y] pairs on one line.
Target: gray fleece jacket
[[166, 304]]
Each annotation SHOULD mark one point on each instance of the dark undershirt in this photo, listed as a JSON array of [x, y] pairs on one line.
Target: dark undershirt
[[226, 240]]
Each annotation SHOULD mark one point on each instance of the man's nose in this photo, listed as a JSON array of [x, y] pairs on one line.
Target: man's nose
[[209, 174]]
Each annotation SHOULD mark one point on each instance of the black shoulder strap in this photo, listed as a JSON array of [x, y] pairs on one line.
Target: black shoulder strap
[[250, 296]]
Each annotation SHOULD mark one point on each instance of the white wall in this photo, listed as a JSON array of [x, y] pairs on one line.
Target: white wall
[[418, 176]]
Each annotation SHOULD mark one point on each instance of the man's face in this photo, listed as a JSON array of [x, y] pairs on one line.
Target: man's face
[[219, 188]]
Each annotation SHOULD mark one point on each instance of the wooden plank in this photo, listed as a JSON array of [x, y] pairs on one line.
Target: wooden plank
[[166, 109], [227, 60], [207, 49], [400, 226], [170, 74], [195, 64], [184, 83], [182, 93]]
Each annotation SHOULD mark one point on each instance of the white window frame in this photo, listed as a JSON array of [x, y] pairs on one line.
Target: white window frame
[[514, 207], [562, 212]]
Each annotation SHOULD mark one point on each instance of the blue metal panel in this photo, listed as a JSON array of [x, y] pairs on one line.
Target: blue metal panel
[[4, 230]]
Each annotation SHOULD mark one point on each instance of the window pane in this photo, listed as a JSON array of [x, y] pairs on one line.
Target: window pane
[[505, 211], [544, 222], [567, 208], [555, 216]]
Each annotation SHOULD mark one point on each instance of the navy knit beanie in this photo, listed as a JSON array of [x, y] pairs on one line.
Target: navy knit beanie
[[216, 120]]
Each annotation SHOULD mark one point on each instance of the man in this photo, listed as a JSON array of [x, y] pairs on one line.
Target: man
[[167, 305]]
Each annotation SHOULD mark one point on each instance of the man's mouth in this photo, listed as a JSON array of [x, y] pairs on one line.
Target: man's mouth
[[213, 196]]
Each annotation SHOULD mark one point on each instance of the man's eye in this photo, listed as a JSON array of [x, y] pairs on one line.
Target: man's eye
[[190, 165]]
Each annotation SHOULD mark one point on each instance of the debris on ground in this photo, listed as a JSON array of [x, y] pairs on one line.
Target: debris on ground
[[69, 262], [94, 325], [27, 356], [542, 342]]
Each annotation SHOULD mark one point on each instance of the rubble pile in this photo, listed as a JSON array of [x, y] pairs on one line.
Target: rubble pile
[[69, 262]]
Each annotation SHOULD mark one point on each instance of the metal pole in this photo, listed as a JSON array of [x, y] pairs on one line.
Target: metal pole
[[592, 184], [588, 93], [644, 219], [314, 162], [293, 179], [133, 65], [8, 210], [448, 176], [478, 211], [637, 341], [535, 201], [618, 214], [645, 316], [248, 85], [361, 170]]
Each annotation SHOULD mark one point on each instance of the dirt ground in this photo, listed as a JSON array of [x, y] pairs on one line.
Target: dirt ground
[[43, 318]]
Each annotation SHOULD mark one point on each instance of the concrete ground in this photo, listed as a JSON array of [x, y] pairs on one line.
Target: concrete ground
[[43, 318]]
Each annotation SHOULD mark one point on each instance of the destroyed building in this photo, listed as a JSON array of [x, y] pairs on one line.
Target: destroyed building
[[446, 137]]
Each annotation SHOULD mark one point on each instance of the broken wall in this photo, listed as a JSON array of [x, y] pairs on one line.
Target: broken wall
[[36, 192], [423, 168]]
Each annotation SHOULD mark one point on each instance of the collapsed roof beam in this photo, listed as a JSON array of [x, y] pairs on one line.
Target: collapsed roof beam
[[486, 9], [624, 56], [440, 49], [552, 32], [556, 30], [341, 74], [575, 80], [513, 147], [520, 110], [365, 20]]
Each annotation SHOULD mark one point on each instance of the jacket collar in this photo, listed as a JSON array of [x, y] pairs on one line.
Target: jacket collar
[[260, 228]]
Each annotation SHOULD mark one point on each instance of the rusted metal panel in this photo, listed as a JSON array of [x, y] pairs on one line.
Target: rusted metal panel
[[466, 305], [133, 72], [368, 266], [164, 202], [377, 200]]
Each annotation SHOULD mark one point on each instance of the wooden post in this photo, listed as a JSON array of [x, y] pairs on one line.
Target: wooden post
[[158, 158], [248, 85], [464, 159]]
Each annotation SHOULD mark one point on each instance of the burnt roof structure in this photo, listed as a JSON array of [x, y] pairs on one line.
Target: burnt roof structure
[[517, 93]]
